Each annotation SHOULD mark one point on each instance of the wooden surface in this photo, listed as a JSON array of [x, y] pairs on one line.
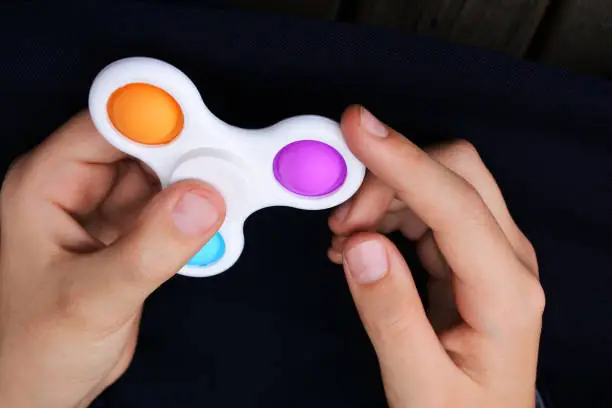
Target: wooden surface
[[499, 25], [576, 34], [325, 9]]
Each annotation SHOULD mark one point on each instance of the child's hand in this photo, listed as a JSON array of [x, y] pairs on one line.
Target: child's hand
[[479, 346], [85, 238]]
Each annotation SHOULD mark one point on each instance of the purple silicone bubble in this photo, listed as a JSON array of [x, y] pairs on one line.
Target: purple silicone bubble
[[310, 168]]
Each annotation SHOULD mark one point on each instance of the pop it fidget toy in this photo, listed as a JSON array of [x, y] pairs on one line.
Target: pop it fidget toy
[[153, 112]]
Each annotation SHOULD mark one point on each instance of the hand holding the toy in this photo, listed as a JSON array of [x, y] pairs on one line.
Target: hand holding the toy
[[86, 237], [477, 344]]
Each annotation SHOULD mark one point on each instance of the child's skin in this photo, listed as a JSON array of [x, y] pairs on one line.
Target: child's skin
[[86, 236]]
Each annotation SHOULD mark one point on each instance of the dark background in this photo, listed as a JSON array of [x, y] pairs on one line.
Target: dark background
[[279, 329]]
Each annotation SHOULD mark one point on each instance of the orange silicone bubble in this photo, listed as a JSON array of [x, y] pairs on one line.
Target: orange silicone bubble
[[145, 114]]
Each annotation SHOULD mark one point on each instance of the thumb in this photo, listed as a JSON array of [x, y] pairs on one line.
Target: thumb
[[409, 352], [175, 225]]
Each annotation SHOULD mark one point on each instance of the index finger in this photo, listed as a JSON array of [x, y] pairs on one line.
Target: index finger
[[73, 168], [467, 234], [78, 140]]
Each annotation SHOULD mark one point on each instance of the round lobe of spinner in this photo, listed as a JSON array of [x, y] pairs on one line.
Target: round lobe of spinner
[[145, 114], [310, 168]]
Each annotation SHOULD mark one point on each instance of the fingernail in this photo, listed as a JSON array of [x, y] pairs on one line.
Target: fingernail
[[372, 125], [342, 211], [194, 215], [367, 262]]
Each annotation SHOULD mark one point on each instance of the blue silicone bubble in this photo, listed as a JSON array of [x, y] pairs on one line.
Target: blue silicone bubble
[[210, 253]]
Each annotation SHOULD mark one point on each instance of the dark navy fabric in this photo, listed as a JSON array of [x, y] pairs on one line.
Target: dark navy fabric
[[279, 329]]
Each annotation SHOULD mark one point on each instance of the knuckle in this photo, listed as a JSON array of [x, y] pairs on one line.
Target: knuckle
[[472, 197], [528, 306], [464, 149], [462, 158], [471, 203], [536, 298], [17, 164], [528, 253], [458, 155], [15, 182], [12, 178]]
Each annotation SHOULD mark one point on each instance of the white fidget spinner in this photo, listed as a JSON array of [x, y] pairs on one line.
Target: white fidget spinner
[[152, 111]]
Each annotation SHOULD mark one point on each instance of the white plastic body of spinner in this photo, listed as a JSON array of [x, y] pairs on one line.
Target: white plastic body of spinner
[[237, 162]]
